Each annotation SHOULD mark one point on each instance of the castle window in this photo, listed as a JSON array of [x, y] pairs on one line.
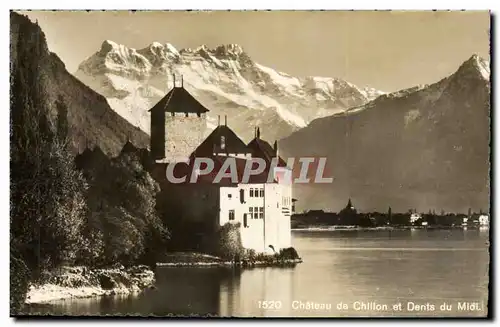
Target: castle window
[[245, 222], [255, 212], [251, 192], [242, 196], [231, 214], [261, 192], [250, 210], [261, 212], [229, 195], [222, 142]]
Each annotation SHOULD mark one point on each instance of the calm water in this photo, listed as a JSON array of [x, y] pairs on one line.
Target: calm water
[[364, 270]]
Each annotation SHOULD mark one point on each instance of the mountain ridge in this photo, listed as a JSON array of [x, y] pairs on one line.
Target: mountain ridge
[[224, 78], [424, 147]]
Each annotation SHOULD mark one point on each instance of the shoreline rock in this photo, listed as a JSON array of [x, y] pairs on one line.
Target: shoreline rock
[[243, 264], [193, 259], [82, 282]]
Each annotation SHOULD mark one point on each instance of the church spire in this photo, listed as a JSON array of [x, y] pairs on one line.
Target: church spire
[[349, 204]]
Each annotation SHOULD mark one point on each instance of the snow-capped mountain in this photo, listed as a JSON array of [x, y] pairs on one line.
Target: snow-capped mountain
[[426, 147], [225, 79]]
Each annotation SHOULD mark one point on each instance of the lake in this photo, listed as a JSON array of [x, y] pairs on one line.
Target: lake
[[345, 273]]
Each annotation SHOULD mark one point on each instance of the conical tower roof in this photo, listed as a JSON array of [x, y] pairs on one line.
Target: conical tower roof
[[179, 100]]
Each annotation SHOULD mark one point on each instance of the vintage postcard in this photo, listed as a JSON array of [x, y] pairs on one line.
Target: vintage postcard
[[250, 163]]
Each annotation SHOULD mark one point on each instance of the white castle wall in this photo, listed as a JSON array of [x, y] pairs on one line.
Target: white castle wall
[[274, 229], [278, 228]]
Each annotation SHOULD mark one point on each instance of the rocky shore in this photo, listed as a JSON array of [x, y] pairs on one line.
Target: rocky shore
[[80, 282], [183, 259]]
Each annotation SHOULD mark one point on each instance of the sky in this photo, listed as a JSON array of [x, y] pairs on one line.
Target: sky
[[386, 50]]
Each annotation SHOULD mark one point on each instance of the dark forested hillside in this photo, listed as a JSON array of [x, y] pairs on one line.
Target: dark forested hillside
[[59, 214], [34, 69]]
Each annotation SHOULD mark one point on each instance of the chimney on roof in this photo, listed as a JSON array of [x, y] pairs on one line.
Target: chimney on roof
[[218, 120], [225, 120], [258, 133], [182, 80]]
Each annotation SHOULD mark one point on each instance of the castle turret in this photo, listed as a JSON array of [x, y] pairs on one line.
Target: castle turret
[[178, 125]]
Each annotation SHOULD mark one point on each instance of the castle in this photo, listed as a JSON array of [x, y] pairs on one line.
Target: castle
[[176, 113], [261, 207]]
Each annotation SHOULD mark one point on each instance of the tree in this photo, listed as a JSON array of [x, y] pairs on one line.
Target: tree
[[47, 202], [127, 223], [229, 244], [19, 280]]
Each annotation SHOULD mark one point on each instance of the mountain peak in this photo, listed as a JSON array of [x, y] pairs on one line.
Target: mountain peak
[[478, 65], [165, 47], [230, 50], [108, 45], [158, 50], [156, 45]]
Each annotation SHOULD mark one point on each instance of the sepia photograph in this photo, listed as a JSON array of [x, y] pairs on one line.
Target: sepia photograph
[[250, 164]]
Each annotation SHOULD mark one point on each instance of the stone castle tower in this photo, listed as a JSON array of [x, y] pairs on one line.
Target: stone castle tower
[[178, 125]]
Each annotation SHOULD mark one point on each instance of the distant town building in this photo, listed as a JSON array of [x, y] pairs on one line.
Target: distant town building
[[415, 217], [484, 220], [349, 213]]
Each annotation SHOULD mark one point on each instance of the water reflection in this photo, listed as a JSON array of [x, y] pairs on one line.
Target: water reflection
[[339, 267]]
